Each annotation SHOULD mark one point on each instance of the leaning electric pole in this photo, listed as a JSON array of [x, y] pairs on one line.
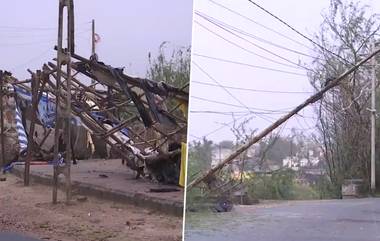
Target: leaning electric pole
[[373, 123]]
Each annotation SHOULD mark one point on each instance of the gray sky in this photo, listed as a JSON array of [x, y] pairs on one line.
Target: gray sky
[[303, 15], [129, 30]]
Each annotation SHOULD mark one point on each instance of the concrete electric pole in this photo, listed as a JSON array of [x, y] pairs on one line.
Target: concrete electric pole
[[373, 123]]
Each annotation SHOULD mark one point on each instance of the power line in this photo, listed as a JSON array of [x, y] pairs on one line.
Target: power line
[[269, 112], [28, 43], [27, 28], [245, 49], [308, 128], [248, 65], [34, 35], [253, 90], [32, 59], [279, 111], [34, 28], [219, 22], [218, 112], [299, 33], [225, 125], [262, 48], [261, 25], [225, 89], [196, 137], [43, 41]]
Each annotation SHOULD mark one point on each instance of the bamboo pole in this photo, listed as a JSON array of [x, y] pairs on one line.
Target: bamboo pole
[[2, 118], [35, 88]]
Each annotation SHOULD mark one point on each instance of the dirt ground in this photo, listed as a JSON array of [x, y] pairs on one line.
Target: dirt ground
[[29, 210]]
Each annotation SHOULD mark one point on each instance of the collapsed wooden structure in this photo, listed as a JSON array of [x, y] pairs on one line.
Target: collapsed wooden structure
[[139, 118]]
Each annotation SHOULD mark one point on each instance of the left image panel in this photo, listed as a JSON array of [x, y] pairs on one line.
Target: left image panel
[[93, 119]]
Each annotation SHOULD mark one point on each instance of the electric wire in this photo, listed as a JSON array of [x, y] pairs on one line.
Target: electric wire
[[243, 48], [238, 106], [260, 24], [240, 31], [228, 92], [31, 60], [225, 125], [248, 65], [299, 33], [293, 64], [34, 28], [254, 90]]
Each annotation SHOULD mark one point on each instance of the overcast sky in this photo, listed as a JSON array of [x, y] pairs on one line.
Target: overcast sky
[[303, 15], [129, 30]]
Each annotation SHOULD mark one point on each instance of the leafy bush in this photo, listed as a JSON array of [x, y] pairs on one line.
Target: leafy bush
[[281, 185], [278, 185]]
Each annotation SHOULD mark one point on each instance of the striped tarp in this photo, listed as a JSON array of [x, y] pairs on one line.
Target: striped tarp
[[22, 138]]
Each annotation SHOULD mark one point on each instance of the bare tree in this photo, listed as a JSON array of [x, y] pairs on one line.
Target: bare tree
[[344, 121]]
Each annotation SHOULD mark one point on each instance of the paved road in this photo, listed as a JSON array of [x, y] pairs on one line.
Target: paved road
[[332, 220], [15, 237]]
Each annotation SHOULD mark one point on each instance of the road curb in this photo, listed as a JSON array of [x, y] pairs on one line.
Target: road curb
[[174, 208]]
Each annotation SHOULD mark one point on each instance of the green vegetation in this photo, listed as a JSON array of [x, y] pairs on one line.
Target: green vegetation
[[283, 185], [173, 69], [279, 185], [199, 159]]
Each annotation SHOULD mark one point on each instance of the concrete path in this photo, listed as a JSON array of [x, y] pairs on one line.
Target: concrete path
[[109, 179], [332, 220]]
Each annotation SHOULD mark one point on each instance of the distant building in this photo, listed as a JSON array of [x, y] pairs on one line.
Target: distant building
[[219, 154]]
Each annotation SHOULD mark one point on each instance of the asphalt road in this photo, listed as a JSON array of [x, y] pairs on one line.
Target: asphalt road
[[15, 237], [330, 220]]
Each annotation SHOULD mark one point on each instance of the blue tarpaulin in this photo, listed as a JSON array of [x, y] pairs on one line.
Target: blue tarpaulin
[[46, 108]]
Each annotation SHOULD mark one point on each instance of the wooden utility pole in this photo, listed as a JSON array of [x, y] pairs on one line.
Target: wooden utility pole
[[269, 129], [35, 88], [93, 37], [373, 124], [2, 118], [57, 126], [63, 120], [93, 41]]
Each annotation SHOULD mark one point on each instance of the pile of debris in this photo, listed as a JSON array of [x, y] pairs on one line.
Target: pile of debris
[[128, 115]]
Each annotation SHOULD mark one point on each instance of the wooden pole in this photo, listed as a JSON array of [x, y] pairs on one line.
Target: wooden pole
[[93, 42], [67, 113], [280, 121], [36, 78], [57, 94], [2, 118], [93, 37]]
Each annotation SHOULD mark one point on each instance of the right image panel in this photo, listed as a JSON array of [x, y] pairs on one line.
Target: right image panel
[[283, 130]]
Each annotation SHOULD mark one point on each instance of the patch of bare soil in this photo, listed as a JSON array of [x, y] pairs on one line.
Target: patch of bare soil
[[29, 210]]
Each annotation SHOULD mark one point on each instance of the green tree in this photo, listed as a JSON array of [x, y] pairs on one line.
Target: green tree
[[200, 157], [173, 68]]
